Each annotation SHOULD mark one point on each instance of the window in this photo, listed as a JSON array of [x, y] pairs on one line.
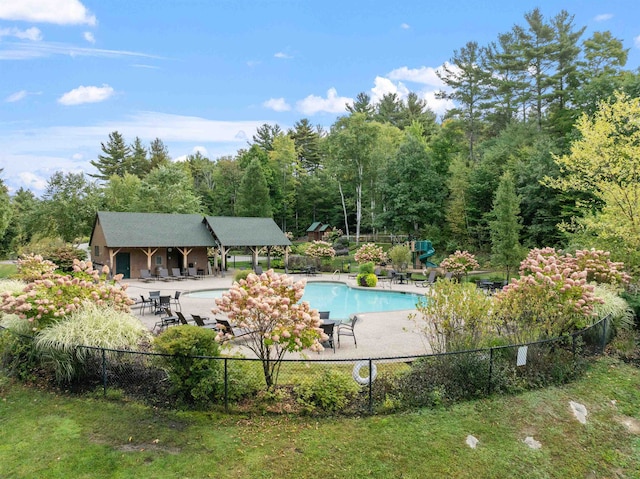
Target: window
[[96, 250], [158, 260]]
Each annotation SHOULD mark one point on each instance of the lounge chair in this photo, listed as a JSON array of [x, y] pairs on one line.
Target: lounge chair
[[347, 329], [427, 282], [202, 322], [182, 319], [193, 273], [235, 332], [176, 274], [146, 276], [167, 320], [163, 274]]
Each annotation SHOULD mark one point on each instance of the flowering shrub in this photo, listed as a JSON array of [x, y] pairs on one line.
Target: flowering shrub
[[55, 296], [268, 306], [459, 263], [549, 299], [369, 252], [598, 266], [320, 249], [34, 266]]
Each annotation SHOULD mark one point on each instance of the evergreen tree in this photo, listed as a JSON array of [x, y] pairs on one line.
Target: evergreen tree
[[169, 189], [5, 207], [23, 224], [137, 163], [307, 143], [265, 134], [115, 159], [363, 105], [389, 110], [505, 228], [158, 154], [253, 194]]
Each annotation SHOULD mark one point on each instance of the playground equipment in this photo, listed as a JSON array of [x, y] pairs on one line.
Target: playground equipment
[[423, 250]]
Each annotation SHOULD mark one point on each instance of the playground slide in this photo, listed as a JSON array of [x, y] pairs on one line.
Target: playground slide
[[424, 250]]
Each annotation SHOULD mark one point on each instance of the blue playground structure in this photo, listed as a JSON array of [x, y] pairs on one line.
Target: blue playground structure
[[423, 250]]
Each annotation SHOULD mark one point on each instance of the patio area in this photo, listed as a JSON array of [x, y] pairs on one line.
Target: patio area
[[385, 334]]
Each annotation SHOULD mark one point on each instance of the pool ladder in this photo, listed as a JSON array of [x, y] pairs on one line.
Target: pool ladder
[[336, 272]]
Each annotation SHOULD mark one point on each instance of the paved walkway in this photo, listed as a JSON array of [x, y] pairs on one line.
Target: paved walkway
[[379, 334]]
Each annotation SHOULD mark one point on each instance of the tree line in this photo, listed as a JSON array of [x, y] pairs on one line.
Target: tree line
[[484, 174]]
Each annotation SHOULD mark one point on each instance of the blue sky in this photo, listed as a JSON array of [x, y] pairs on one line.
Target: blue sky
[[203, 74]]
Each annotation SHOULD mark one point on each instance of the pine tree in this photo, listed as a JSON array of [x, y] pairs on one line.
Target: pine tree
[[138, 164], [505, 228], [115, 158], [253, 195], [158, 154]]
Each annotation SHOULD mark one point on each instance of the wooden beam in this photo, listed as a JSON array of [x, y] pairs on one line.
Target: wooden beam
[[149, 254], [185, 254]]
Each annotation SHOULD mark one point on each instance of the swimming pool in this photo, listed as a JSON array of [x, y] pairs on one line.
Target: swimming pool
[[342, 300]]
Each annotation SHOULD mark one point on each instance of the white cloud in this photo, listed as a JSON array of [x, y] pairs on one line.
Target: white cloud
[[150, 67], [384, 86], [277, 104], [603, 17], [253, 63], [77, 156], [425, 75], [60, 12], [331, 104], [405, 26], [17, 96], [438, 105], [283, 55], [26, 51], [33, 181], [200, 149], [86, 94], [88, 36], [636, 41], [34, 34]]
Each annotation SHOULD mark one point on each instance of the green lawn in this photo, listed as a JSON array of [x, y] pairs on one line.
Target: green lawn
[[47, 435], [7, 270]]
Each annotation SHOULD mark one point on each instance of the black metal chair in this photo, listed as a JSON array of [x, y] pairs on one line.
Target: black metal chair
[[324, 314], [328, 329], [176, 300], [167, 320], [144, 302], [347, 329], [164, 302]]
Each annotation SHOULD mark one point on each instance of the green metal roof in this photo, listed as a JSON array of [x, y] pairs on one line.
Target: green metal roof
[[323, 228], [245, 231], [313, 227], [153, 230]]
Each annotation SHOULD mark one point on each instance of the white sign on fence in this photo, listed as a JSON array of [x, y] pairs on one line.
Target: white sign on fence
[[522, 356]]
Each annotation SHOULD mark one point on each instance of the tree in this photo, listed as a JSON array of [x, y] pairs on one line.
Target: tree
[[457, 216], [603, 54], [115, 158], [605, 163], [284, 162], [23, 225], [137, 163], [307, 143], [68, 208], [227, 176], [362, 104], [253, 194], [505, 228], [269, 307], [5, 207], [265, 134], [122, 193], [169, 189], [158, 154], [469, 83], [389, 110]]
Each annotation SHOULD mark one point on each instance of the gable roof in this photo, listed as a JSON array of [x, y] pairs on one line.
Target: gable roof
[[152, 230], [245, 231], [313, 227]]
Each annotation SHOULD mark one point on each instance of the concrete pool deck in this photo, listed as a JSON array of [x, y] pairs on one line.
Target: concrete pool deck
[[385, 334]]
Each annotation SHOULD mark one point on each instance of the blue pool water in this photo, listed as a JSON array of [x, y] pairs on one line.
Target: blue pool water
[[342, 300]]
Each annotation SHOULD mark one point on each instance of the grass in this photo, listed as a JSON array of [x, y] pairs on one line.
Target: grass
[[49, 435], [7, 270]]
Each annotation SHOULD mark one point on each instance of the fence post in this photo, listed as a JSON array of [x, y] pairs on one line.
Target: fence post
[[490, 371], [603, 340], [104, 372], [226, 386], [370, 386]]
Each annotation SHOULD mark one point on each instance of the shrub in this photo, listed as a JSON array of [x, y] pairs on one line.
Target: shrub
[[459, 263], [32, 267], [369, 280], [330, 393], [457, 316], [320, 249], [17, 352], [369, 252], [11, 286], [598, 266], [90, 325], [195, 381], [366, 268], [400, 256], [622, 316]]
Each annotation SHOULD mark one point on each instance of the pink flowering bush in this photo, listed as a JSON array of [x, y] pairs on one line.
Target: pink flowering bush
[[320, 249], [34, 266], [269, 307], [459, 263], [598, 266], [549, 299], [55, 296], [369, 252]]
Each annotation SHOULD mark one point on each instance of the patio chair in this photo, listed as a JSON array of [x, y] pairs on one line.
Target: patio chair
[[144, 302], [347, 329], [182, 319], [176, 300], [328, 329], [164, 302], [167, 320], [324, 314], [258, 270], [146, 276], [176, 274], [202, 322], [193, 273], [235, 332]]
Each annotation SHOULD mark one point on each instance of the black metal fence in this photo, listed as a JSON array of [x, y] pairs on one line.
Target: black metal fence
[[344, 386]]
